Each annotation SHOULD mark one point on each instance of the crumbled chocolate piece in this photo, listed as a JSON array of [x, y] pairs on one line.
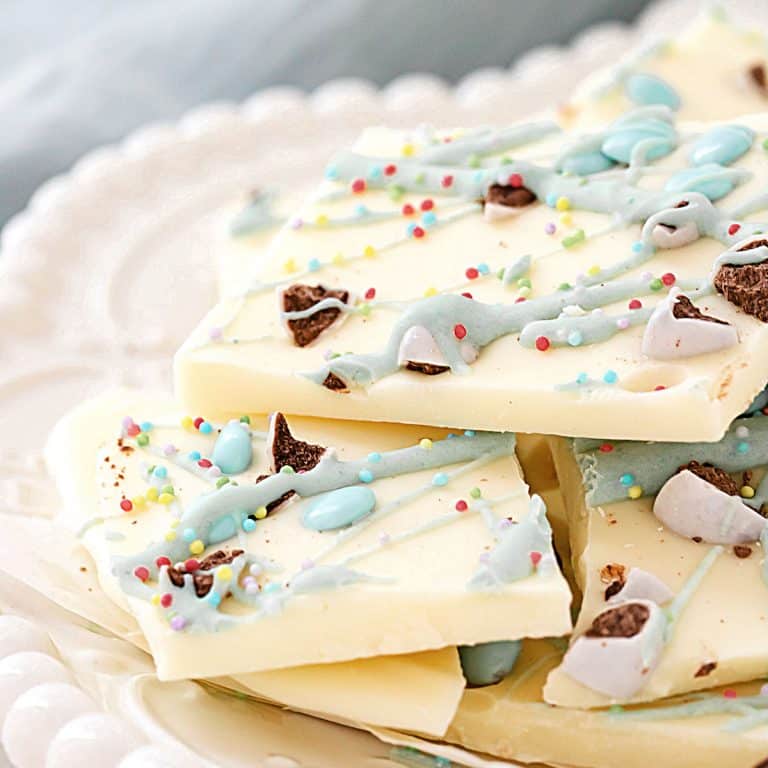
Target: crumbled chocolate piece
[[613, 589], [758, 75], [176, 576], [219, 557], [697, 539], [273, 505], [613, 572], [714, 476], [509, 196], [763, 764], [685, 308], [287, 451], [623, 621], [706, 669], [426, 368], [682, 204], [335, 383], [300, 297], [203, 583], [746, 285], [742, 551]]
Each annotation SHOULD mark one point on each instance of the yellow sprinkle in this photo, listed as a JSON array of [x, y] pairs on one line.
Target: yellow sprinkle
[[170, 536], [563, 204], [426, 444], [175, 523], [747, 491], [321, 219], [566, 219], [635, 492], [196, 547], [524, 291], [369, 251], [338, 258], [407, 150], [166, 498], [593, 270], [289, 265], [260, 513], [224, 573], [138, 501], [187, 422], [152, 493], [155, 599], [431, 291]]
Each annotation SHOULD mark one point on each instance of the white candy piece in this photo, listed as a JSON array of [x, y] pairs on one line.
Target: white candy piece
[[158, 757], [692, 507], [618, 666], [21, 671], [668, 337], [663, 236], [642, 585], [95, 739], [419, 346], [496, 212], [35, 718], [18, 634]]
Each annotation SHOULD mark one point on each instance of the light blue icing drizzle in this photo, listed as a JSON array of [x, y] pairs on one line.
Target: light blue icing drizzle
[[516, 270], [324, 577], [722, 145], [711, 180], [692, 583], [652, 464], [339, 508], [586, 163], [415, 758], [489, 663], [233, 450], [257, 216], [645, 89]]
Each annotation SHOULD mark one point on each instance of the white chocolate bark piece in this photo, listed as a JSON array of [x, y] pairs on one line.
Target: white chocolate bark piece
[[422, 571], [713, 68], [716, 633], [561, 293]]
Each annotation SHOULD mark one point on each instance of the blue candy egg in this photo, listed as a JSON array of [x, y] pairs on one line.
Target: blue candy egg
[[489, 663], [647, 89], [586, 163], [723, 145], [339, 508], [233, 451], [224, 528], [711, 180], [621, 140]]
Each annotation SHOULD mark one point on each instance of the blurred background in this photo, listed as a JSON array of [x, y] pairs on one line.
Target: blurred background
[[75, 74]]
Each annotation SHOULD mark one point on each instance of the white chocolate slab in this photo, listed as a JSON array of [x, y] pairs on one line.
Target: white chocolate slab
[[431, 607], [724, 622], [707, 66], [510, 386]]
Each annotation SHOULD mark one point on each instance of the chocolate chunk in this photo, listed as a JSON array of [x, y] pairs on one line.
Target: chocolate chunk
[[613, 572], [763, 764], [335, 383], [277, 502], [742, 551], [746, 285], [203, 583], [714, 476], [300, 297], [623, 621], [758, 75], [613, 589], [176, 576], [426, 368], [286, 451], [685, 308], [706, 669], [509, 196], [219, 557]]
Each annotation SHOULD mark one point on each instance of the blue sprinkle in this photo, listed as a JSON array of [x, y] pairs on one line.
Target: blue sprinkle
[[331, 172], [206, 428], [361, 210], [194, 455], [428, 219], [146, 426], [627, 479], [440, 479], [374, 457], [582, 378], [450, 436], [637, 247], [483, 268], [410, 228], [272, 587], [479, 175], [313, 265], [365, 476], [214, 598], [160, 472], [375, 172], [249, 524], [189, 534], [610, 377], [575, 338], [743, 447], [551, 200], [469, 433]]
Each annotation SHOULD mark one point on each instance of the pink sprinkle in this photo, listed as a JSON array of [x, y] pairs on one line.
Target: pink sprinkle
[[166, 600], [205, 463], [178, 623], [461, 505], [536, 558], [141, 572], [127, 422], [729, 693], [296, 223], [622, 323], [214, 334], [169, 449]]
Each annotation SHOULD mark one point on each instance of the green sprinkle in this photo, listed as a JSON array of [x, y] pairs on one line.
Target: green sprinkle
[[524, 282], [765, 144], [222, 481], [395, 191], [616, 709], [288, 470], [364, 309], [583, 182], [475, 493], [564, 287], [655, 284], [168, 489], [577, 237], [420, 178], [142, 439], [245, 419], [507, 160], [474, 161]]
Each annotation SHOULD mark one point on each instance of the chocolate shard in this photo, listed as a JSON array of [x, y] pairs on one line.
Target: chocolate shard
[[219, 557], [746, 285], [426, 368], [203, 583], [714, 476], [335, 383], [757, 74], [176, 576], [286, 451], [613, 589], [742, 551], [509, 196], [762, 764], [273, 505], [685, 308], [623, 621], [706, 669], [300, 297]]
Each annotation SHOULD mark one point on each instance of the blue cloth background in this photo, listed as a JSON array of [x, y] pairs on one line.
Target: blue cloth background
[[75, 74]]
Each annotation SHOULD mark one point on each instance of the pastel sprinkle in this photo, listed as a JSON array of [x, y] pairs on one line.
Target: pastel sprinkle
[[374, 457], [475, 493], [206, 428], [627, 479], [610, 377], [440, 479], [196, 547], [178, 623], [572, 240], [261, 513], [575, 338], [635, 492], [249, 525], [160, 472], [425, 444], [747, 492], [365, 476], [141, 572]]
